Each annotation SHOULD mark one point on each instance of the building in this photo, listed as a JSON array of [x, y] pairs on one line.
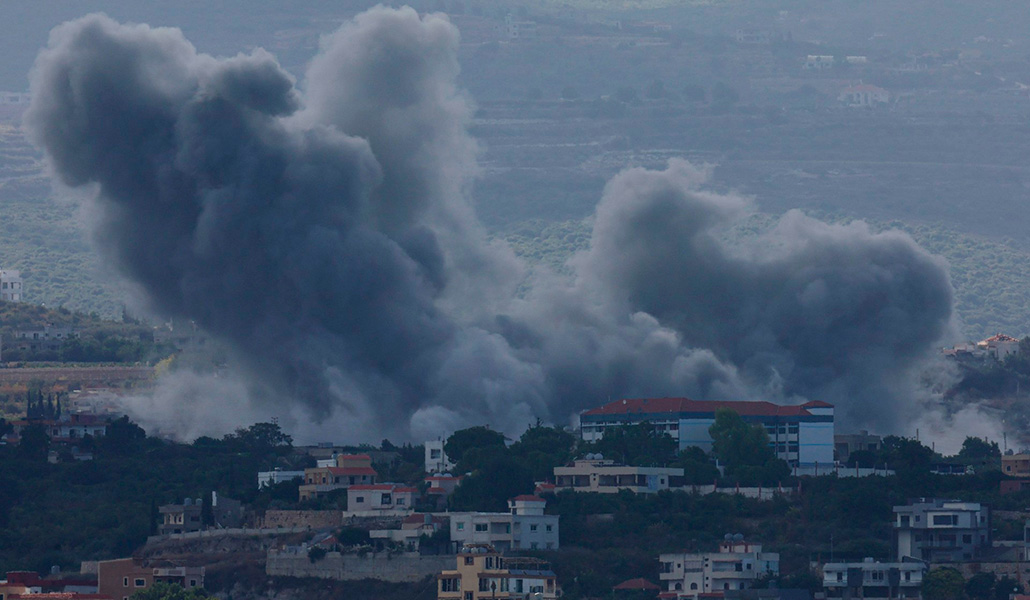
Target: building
[[818, 62], [1016, 465], [846, 443], [188, 516], [440, 488], [872, 579], [436, 458], [412, 528], [29, 584], [735, 566], [524, 527], [387, 499], [277, 476], [120, 578], [800, 435], [482, 573], [608, 477], [863, 94], [754, 36], [936, 530], [350, 469], [999, 346], [10, 285], [45, 339]]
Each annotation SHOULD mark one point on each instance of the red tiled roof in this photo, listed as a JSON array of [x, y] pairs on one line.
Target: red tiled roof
[[406, 490], [353, 457], [352, 471], [420, 518], [436, 490], [1001, 337], [367, 488], [816, 404], [636, 584], [442, 478], [686, 405], [528, 498]]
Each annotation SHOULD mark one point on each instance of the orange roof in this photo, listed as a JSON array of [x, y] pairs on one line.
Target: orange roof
[[528, 498], [1001, 337], [686, 405], [636, 584], [352, 471]]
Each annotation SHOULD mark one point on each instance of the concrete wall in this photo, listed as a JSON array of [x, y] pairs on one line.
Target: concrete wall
[[404, 568], [311, 519]]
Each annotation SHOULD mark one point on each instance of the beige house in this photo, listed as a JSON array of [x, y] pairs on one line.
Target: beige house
[[120, 578], [350, 469], [1016, 465], [608, 477], [483, 574]]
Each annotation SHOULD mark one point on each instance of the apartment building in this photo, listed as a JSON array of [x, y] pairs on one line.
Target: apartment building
[[524, 527], [482, 573], [1016, 465], [122, 577], [384, 499], [938, 530], [735, 566], [10, 285], [873, 579], [800, 435], [593, 474], [350, 469]]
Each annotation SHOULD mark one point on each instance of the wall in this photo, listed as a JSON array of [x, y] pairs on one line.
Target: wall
[[312, 519], [404, 568]]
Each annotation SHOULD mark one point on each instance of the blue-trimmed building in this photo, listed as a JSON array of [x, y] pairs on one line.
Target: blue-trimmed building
[[799, 434]]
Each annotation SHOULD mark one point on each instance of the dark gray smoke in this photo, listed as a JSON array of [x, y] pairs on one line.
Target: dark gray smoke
[[326, 234]]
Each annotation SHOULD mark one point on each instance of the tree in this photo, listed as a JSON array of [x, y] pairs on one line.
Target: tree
[[697, 466], [261, 438], [1005, 587], [906, 455], [943, 583], [637, 445], [981, 586], [35, 443], [744, 449], [974, 448], [489, 488], [123, 437], [168, 591], [473, 437], [542, 449]]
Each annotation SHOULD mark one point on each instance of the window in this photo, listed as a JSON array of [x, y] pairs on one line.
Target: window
[[550, 528], [484, 585], [469, 560], [468, 595], [387, 499], [125, 582], [945, 519], [450, 585], [480, 526], [693, 586], [400, 502], [361, 500], [140, 582], [532, 527], [461, 527], [967, 539], [518, 586], [434, 453], [193, 583]]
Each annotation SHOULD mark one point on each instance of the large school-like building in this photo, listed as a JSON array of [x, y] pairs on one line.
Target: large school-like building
[[799, 434]]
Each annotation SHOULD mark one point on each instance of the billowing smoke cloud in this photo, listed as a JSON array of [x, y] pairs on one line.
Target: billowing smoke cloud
[[324, 232]]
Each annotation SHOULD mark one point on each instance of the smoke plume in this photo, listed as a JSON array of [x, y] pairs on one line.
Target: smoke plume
[[325, 233]]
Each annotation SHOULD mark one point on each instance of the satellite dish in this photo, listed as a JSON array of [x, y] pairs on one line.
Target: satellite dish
[[738, 537], [728, 537]]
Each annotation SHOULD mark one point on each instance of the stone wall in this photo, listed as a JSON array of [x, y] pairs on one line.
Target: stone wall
[[401, 568], [310, 519]]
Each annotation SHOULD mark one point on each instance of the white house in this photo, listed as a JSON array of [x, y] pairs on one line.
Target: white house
[[864, 94], [10, 285], [872, 579], [608, 477], [735, 566], [436, 458], [380, 499], [525, 527]]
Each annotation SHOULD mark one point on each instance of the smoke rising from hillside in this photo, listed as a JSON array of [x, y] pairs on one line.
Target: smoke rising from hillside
[[324, 232]]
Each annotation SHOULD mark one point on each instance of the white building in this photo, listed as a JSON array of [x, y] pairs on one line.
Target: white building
[[735, 566], [937, 530], [10, 286], [270, 478], [864, 94], [387, 499], [818, 62], [608, 477], [436, 458], [525, 527], [800, 435], [872, 579]]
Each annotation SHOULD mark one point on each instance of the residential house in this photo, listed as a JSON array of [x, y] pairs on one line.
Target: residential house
[[384, 499], [999, 346], [937, 530], [188, 516], [593, 474], [1016, 465], [873, 579], [863, 94], [436, 458], [482, 573], [817, 62], [30, 584], [277, 476], [735, 566], [440, 488], [412, 528], [120, 578], [44, 339], [800, 434], [524, 527], [10, 285], [846, 443], [350, 469]]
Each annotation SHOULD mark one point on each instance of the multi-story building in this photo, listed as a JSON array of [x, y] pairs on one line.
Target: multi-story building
[[350, 469], [800, 435], [1016, 465], [735, 566], [846, 443], [276, 476], [482, 573], [937, 530], [44, 339], [188, 516], [872, 579], [525, 527], [608, 477], [10, 285], [120, 578], [380, 499], [436, 458]]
